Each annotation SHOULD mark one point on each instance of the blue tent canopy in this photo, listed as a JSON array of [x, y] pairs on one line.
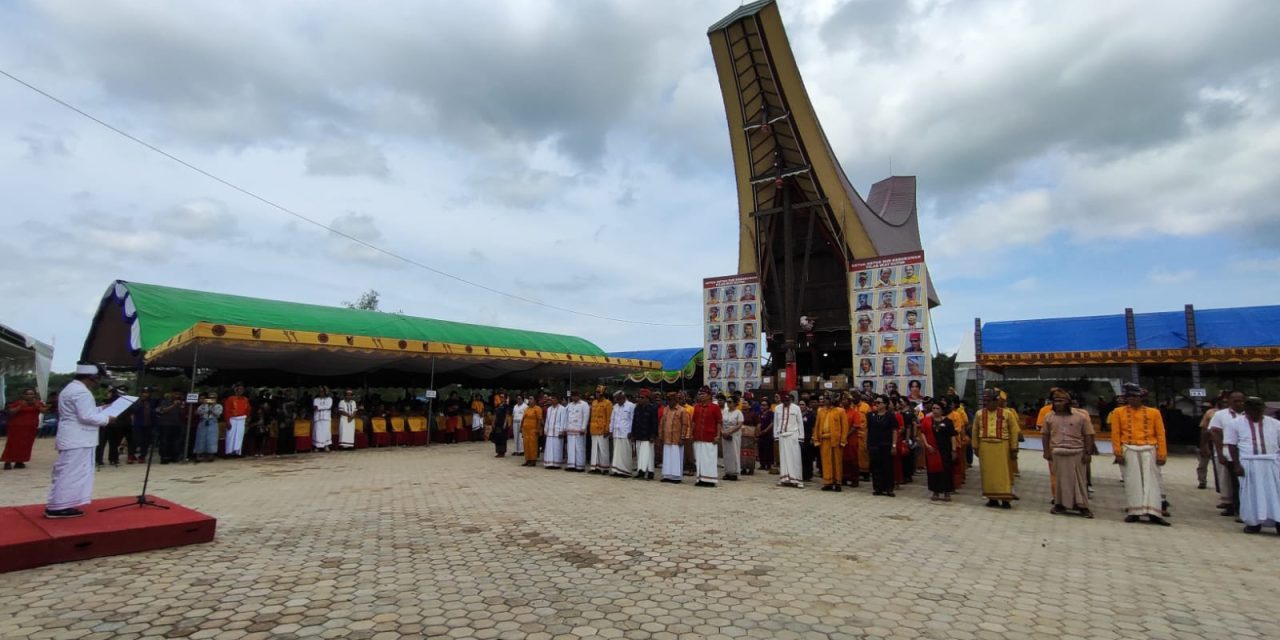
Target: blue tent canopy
[[676, 363], [1215, 328]]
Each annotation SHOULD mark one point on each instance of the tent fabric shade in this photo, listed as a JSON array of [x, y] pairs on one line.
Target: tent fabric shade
[[21, 353], [676, 364], [1243, 334], [140, 323]]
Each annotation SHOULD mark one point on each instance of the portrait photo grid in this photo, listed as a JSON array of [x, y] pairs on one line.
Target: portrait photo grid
[[889, 311], [731, 333]]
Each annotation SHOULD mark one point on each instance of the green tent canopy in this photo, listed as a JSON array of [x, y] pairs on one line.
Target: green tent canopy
[[156, 325]]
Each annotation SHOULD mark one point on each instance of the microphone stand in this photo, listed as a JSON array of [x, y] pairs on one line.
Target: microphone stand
[[142, 500]]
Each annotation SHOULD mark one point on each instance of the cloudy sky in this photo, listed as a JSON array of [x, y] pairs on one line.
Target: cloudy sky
[[1072, 159]]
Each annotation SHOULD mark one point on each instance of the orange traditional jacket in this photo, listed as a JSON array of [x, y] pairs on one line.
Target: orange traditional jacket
[[675, 427], [1138, 427], [235, 407], [832, 426], [601, 413]]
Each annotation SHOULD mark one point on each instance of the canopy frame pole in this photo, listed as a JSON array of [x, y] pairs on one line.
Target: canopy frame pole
[[191, 408], [431, 402]]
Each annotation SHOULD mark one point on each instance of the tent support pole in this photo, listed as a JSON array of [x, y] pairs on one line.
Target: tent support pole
[[191, 408], [431, 402]]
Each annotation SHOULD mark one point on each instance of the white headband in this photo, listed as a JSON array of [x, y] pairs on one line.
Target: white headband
[[87, 369]]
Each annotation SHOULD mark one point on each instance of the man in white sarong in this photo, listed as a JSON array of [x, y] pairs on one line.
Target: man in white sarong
[[674, 428], [644, 428], [79, 418], [236, 412], [731, 437], [347, 409], [624, 411], [1223, 468], [1254, 443], [557, 424], [788, 429], [517, 419], [322, 421], [1138, 442], [601, 420], [577, 414], [706, 432]]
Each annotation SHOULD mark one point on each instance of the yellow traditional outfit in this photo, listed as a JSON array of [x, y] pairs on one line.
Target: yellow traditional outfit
[[530, 428], [997, 438], [961, 420], [1137, 438], [598, 427], [830, 433]]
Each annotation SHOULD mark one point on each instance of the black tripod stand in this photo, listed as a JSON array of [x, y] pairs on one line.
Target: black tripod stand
[[142, 500]]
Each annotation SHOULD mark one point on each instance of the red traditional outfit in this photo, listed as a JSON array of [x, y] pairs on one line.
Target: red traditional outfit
[[857, 432], [24, 419]]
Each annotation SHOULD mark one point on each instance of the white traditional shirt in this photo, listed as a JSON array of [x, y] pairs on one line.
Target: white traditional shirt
[[79, 417], [1256, 438], [576, 421], [517, 415], [788, 422], [557, 420], [324, 409], [730, 419], [348, 406], [1222, 420], [620, 420]]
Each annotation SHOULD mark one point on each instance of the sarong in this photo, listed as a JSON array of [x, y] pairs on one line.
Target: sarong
[[235, 436], [732, 453], [1070, 486], [993, 462], [322, 434], [72, 478], [529, 438], [748, 452], [553, 453], [622, 453], [672, 462], [1260, 489], [644, 457], [576, 451], [704, 454], [206, 442], [600, 460], [1141, 481], [789, 460], [346, 433]]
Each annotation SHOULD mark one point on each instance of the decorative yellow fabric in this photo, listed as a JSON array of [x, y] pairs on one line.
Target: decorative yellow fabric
[[379, 425], [417, 423], [302, 428]]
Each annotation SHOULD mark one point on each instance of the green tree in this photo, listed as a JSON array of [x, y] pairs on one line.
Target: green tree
[[368, 301]]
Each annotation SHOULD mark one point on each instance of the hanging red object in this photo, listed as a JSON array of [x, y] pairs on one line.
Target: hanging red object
[[790, 384]]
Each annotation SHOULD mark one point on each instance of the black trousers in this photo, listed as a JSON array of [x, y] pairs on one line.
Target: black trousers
[[109, 439], [881, 468], [139, 441], [807, 455], [171, 436], [284, 439], [500, 444]]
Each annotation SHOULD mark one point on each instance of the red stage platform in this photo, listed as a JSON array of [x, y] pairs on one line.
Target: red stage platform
[[28, 539]]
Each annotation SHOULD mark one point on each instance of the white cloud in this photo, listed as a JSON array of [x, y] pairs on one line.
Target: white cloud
[[1181, 276]]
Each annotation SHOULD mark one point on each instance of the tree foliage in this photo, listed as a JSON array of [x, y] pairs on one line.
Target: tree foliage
[[368, 301]]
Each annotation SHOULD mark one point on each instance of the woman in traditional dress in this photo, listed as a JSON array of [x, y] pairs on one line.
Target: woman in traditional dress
[[24, 420], [940, 449]]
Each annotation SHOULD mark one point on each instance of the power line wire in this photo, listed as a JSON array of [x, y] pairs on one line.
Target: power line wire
[[322, 225]]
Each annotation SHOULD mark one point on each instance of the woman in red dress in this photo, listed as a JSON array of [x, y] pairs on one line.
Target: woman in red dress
[[24, 418]]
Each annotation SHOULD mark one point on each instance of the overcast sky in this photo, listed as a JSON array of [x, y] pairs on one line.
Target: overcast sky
[[1073, 158]]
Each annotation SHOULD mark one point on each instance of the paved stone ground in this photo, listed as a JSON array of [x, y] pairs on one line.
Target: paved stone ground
[[449, 542]]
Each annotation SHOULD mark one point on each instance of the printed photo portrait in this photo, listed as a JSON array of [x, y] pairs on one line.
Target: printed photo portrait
[[911, 297], [864, 323], [731, 332], [748, 292], [888, 321], [731, 313], [713, 295], [889, 343], [886, 299], [864, 302], [915, 342], [713, 370], [911, 320], [866, 345], [884, 277], [748, 350], [915, 365], [731, 371], [748, 369], [713, 351], [730, 294], [749, 331], [713, 314], [862, 280], [713, 333], [866, 367], [731, 351], [748, 312], [888, 367], [910, 274]]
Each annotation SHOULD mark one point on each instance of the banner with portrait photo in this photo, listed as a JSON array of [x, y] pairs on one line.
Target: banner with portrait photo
[[731, 333], [890, 313]]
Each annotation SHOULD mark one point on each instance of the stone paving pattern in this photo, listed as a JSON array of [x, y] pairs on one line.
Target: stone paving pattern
[[448, 541]]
